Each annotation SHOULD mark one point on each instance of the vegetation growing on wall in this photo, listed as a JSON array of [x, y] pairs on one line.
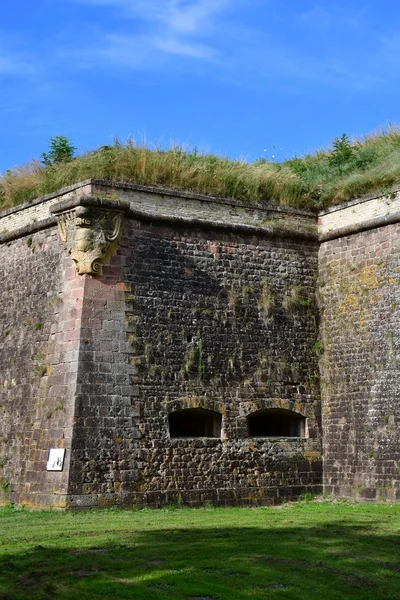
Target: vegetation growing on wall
[[313, 181]]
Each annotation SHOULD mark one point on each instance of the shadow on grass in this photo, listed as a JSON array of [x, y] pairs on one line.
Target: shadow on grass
[[330, 561]]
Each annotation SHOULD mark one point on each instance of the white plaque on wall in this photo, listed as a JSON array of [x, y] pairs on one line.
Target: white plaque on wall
[[55, 459]]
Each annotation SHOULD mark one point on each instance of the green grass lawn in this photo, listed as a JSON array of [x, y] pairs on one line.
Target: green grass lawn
[[310, 550]]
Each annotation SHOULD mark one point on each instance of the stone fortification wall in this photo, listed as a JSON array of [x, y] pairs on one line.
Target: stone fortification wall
[[34, 414], [197, 319], [203, 304], [37, 213], [156, 203], [362, 214], [360, 309]]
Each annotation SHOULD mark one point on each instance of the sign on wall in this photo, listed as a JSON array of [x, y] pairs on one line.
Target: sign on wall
[[55, 459]]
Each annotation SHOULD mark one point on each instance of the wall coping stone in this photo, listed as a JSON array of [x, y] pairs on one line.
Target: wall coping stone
[[93, 201], [361, 214], [358, 228], [28, 229], [365, 213], [238, 227], [267, 220], [40, 199], [359, 200], [265, 206]]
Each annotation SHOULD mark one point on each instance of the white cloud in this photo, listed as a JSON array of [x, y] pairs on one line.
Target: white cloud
[[175, 46], [150, 34], [188, 18], [135, 52], [180, 16], [168, 29]]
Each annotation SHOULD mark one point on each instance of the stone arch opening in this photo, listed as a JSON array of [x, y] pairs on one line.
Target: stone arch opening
[[275, 422], [195, 422]]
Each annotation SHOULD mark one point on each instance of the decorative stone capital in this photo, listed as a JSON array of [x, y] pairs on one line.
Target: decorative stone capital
[[91, 232]]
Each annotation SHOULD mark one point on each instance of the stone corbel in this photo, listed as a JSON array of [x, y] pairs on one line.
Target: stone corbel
[[91, 228]]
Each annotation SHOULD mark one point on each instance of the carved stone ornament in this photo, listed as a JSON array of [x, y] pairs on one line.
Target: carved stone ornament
[[91, 234]]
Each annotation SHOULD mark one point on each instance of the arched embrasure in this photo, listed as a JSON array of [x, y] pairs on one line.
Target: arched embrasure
[[195, 422], [275, 422]]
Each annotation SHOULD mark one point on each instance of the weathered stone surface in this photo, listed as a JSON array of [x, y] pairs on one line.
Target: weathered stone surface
[[360, 304], [198, 314], [36, 385], [183, 319], [91, 233]]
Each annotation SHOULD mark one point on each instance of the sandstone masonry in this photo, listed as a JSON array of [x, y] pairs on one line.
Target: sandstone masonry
[[172, 344]]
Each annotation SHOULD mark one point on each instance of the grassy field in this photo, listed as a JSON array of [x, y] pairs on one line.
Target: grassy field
[[348, 169], [313, 551]]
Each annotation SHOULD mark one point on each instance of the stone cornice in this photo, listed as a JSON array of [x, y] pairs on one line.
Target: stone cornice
[[155, 204], [161, 205], [89, 201], [27, 229]]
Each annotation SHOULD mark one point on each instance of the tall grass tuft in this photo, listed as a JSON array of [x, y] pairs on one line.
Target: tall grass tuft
[[313, 181]]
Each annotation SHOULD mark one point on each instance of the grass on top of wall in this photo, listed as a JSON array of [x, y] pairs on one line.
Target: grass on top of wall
[[313, 181], [313, 550]]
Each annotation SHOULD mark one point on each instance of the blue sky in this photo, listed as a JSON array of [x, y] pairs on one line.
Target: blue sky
[[239, 78]]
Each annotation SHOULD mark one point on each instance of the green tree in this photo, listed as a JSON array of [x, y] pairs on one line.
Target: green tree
[[60, 150], [342, 152]]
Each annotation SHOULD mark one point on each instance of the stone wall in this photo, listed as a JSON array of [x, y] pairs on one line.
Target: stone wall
[[33, 416], [37, 211], [216, 311], [360, 314], [202, 304], [187, 318], [368, 212]]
